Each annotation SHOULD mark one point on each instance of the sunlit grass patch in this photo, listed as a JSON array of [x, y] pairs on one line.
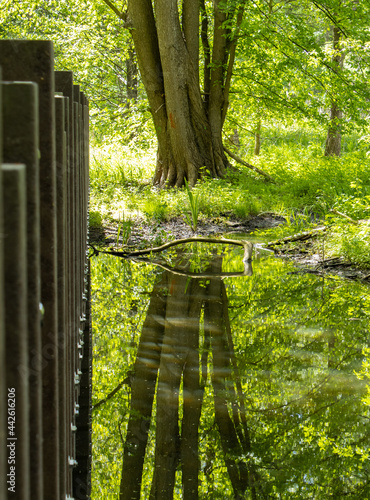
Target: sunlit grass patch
[[351, 241], [308, 187]]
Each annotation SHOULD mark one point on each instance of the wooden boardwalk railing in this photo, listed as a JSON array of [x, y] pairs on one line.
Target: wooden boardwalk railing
[[45, 330]]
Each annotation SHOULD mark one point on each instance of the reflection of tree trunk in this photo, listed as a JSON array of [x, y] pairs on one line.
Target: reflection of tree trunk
[[142, 395], [239, 413], [169, 352], [179, 356], [331, 355], [171, 367], [215, 322], [193, 398]]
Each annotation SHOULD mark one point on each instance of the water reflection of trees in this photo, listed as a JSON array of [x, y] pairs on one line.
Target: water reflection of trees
[[171, 367], [250, 393]]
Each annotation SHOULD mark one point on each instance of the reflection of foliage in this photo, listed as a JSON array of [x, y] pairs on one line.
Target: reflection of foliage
[[287, 373], [119, 295], [300, 340]]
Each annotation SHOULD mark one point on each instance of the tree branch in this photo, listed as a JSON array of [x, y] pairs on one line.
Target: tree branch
[[248, 165], [110, 395], [344, 216], [331, 17], [248, 270], [248, 247], [207, 54], [121, 15], [297, 237], [229, 72]]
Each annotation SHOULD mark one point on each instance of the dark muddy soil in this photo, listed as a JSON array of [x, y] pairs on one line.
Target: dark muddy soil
[[309, 259], [144, 234]]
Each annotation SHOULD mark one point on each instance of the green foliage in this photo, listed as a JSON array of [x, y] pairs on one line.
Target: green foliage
[[301, 358], [95, 219], [89, 39], [117, 291], [285, 66], [308, 186], [124, 230]]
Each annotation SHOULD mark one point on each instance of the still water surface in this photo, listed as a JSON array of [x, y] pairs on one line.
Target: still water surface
[[221, 380]]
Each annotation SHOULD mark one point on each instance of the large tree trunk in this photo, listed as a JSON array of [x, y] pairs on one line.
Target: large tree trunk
[[334, 136], [188, 125]]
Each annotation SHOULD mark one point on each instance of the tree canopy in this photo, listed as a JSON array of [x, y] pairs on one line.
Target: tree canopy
[[208, 70]]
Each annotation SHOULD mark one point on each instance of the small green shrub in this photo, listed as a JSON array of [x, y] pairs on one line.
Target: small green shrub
[[95, 219]]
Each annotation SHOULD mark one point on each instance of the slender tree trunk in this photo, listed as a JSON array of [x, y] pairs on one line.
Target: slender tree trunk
[[334, 136], [131, 77], [206, 55], [257, 138], [333, 143]]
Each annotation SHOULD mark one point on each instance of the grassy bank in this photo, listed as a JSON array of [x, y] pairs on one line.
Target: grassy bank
[[308, 188]]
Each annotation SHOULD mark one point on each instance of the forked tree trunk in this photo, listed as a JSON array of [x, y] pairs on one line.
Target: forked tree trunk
[[188, 126], [334, 136]]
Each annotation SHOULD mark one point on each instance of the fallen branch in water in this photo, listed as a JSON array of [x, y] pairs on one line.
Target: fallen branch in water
[[297, 237], [247, 245], [248, 165], [248, 271]]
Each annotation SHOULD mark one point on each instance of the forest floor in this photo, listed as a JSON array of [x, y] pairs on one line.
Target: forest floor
[[309, 255]]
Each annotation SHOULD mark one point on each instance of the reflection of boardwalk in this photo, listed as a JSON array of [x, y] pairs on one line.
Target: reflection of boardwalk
[[186, 330]]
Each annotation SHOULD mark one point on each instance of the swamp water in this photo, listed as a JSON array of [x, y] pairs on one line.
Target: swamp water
[[214, 382]]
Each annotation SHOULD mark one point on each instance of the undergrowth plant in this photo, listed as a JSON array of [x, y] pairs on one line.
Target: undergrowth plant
[[124, 230], [308, 186], [194, 203]]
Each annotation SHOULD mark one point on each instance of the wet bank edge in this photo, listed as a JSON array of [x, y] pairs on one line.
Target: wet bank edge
[[304, 254]]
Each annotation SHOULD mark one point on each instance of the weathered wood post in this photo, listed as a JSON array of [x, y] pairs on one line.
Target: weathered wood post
[[24, 60], [3, 399], [61, 191], [82, 472], [16, 341], [64, 84], [48, 365], [20, 114]]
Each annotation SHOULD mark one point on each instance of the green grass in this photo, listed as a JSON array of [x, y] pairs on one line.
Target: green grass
[[307, 187], [194, 205]]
